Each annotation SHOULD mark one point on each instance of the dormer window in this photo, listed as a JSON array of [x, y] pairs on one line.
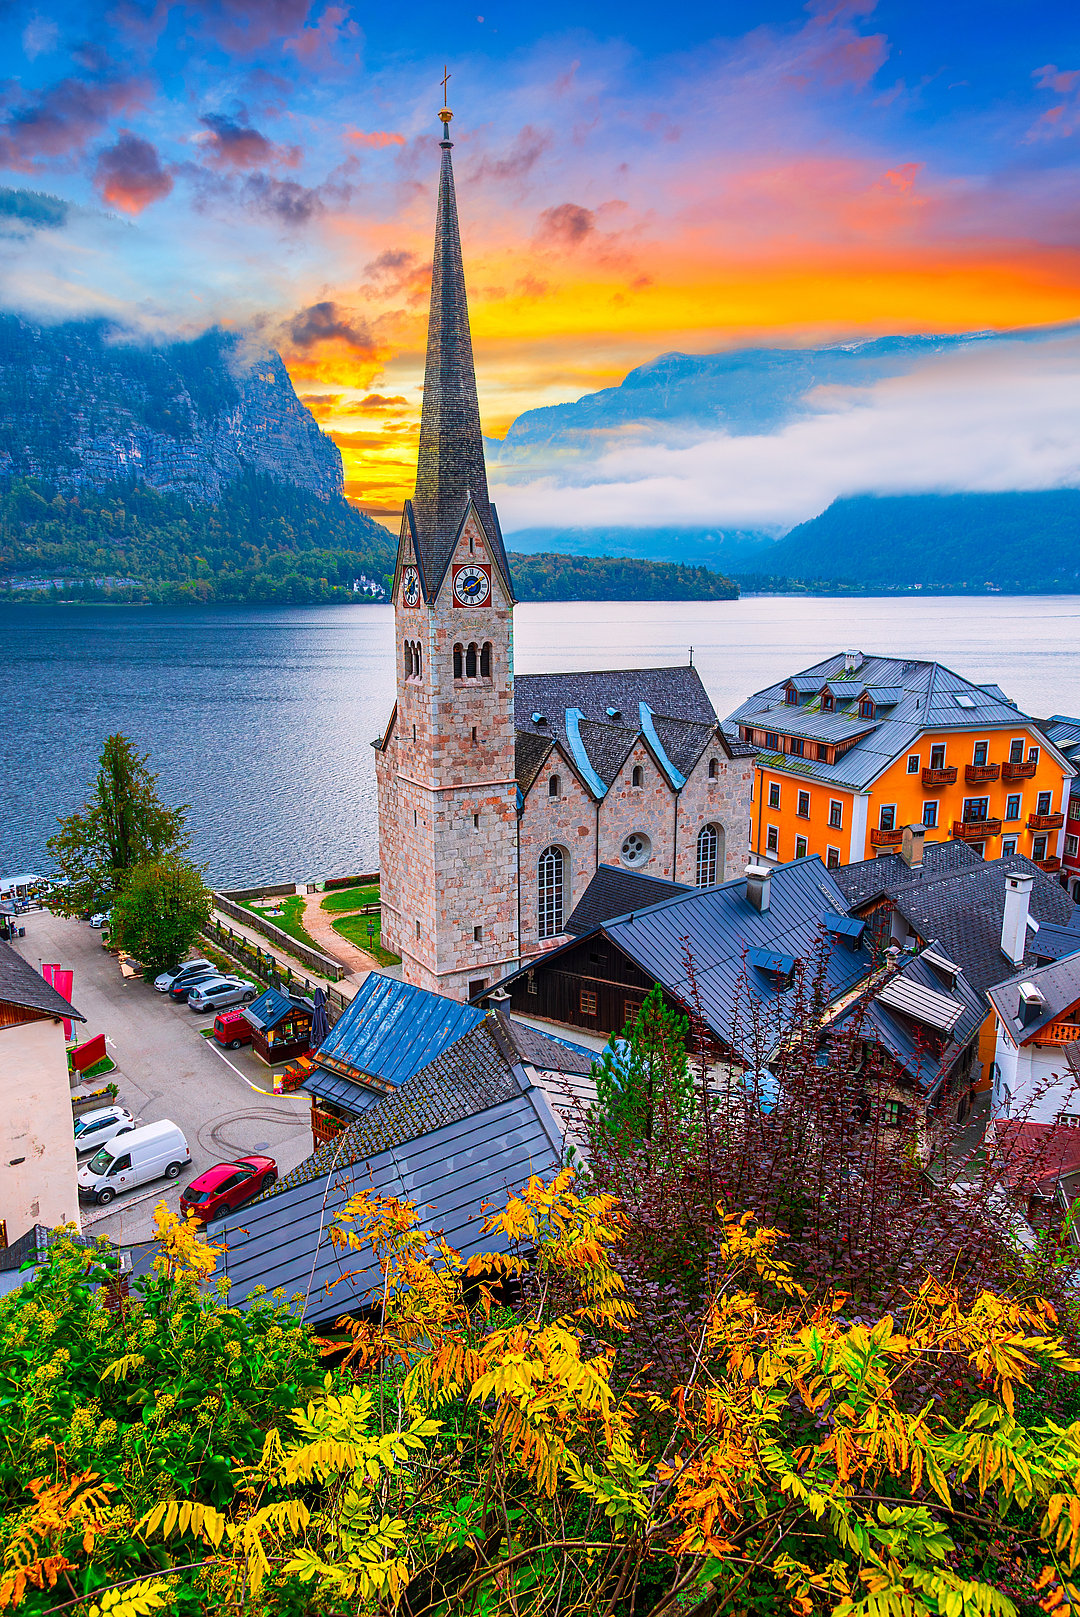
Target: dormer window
[[867, 709], [791, 696], [828, 702]]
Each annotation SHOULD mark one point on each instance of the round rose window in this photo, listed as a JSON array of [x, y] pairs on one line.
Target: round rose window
[[636, 848]]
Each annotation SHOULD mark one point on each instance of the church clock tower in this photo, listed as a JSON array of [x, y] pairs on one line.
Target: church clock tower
[[445, 764]]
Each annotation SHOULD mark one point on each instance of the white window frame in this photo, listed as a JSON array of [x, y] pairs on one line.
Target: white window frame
[[774, 794], [772, 839], [836, 821], [930, 803], [914, 763], [550, 892], [708, 846], [800, 847]]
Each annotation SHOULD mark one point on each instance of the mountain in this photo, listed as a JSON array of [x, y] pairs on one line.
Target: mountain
[[715, 548], [549, 577], [1026, 543], [83, 407]]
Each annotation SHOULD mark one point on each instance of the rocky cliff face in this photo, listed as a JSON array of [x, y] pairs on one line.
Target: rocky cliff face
[[79, 407]]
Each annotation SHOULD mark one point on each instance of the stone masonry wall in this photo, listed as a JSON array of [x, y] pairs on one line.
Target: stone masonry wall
[[648, 808], [569, 822], [724, 802]]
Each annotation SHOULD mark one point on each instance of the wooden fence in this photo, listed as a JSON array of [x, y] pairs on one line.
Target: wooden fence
[[262, 964]]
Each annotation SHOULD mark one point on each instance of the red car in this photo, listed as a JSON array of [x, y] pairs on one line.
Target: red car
[[232, 1029], [226, 1186]]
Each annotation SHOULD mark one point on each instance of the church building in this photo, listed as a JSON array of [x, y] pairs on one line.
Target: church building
[[500, 797]]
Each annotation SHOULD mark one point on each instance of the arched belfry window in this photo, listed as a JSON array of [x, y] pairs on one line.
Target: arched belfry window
[[485, 660], [470, 661], [413, 660], [408, 659], [459, 662], [708, 848], [549, 895]]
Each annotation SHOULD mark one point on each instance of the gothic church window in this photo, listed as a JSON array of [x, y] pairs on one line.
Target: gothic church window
[[713, 769], [553, 786], [707, 848], [638, 776], [549, 909]]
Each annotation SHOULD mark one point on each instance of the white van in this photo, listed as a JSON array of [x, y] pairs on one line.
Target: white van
[[156, 1151]]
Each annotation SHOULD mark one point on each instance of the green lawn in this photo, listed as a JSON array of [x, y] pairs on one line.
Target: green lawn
[[291, 919], [343, 899], [355, 929]]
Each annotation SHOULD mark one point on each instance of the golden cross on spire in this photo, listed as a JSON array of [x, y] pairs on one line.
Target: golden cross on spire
[[446, 76], [445, 114]]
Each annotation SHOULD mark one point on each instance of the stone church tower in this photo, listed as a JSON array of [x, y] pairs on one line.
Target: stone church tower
[[447, 791]]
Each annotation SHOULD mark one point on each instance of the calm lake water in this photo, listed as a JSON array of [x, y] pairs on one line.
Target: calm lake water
[[263, 720]]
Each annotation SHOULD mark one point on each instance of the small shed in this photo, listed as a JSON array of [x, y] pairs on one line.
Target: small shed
[[280, 1026]]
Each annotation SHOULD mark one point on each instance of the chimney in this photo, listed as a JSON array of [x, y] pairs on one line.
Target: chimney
[[852, 661], [1014, 922], [758, 884], [911, 849]]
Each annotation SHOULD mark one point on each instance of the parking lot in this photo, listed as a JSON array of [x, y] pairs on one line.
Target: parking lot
[[222, 1100]]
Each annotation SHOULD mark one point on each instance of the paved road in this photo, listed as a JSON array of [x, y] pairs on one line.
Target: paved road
[[166, 1070]]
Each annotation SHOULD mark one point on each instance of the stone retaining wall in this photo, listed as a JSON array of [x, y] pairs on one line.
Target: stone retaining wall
[[313, 958]]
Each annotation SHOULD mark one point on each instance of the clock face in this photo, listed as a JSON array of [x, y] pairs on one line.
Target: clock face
[[472, 585], [410, 586]]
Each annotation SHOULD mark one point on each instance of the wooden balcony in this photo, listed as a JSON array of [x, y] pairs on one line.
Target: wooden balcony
[[1045, 822], [324, 1126], [974, 773], [886, 839], [1021, 771], [1059, 1033], [976, 830], [1051, 866], [939, 777]]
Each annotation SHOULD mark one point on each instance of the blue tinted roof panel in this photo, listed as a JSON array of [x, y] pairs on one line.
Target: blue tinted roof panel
[[391, 1029]]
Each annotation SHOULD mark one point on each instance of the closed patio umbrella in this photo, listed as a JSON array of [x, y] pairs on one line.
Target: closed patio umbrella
[[320, 1022]]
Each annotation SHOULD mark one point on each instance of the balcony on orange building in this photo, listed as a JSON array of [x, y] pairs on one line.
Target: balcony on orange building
[[978, 772], [1023, 770], [940, 777], [880, 838], [975, 830], [1051, 866], [1045, 822]]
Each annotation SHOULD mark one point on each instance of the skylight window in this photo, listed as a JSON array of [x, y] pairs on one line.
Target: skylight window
[[963, 700]]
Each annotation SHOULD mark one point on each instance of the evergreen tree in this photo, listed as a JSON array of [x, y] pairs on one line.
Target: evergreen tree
[[122, 824], [645, 1072]]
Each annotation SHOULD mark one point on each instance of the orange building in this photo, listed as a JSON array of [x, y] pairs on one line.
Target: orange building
[[857, 747]]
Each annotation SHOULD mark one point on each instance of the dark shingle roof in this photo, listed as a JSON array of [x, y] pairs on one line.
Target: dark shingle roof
[[618, 892], [964, 910], [1059, 984], [900, 1034], [21, 985], [530, 750], [871, 878], [547, 1053]]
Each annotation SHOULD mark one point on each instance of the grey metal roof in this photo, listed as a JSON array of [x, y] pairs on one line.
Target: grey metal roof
[[718, 925], [272, 1007], [1059, 984], [391, 1029], [355, 1098], [1065, 734], [613, 891], [912, 995], [453, 1173], [928, 701], [886, 695], [810, 723], [22, 986], [450, 472]]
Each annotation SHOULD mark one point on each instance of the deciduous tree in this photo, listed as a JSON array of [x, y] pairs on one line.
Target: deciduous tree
[[160, 912]]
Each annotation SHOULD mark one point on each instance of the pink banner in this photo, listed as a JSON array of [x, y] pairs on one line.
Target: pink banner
[[60, 979]]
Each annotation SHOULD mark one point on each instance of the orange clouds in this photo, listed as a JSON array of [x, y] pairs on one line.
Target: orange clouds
[[375, 140], [129, 174]]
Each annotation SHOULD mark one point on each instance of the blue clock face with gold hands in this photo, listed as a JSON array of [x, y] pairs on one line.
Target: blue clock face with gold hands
[[472, 585], [410, 586]]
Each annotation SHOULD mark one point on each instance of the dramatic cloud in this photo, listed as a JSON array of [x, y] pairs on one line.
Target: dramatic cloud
[[61, 120], [233, 143], [328, 322], [526, 149], [245, 26], [375, 140], [979, 421], [286, 200], [129, 175], [568, 225]]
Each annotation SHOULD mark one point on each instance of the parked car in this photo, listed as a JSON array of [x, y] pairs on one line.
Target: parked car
[[156, 1151], [94, 1128], [98, 921], [232, 1029], [183, 985], [226, 1186], [164, 981], [220, 991]]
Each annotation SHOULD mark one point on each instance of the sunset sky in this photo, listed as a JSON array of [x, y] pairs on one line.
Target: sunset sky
[[632, 179]]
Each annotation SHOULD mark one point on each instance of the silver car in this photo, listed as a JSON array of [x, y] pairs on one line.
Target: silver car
[[94, 1128], [164, 981], [218, 992]]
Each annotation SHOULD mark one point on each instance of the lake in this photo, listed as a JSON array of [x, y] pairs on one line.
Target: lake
[[262, 720]]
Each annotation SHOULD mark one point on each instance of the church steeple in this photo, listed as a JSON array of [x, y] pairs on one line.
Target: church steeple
[[450, 470]]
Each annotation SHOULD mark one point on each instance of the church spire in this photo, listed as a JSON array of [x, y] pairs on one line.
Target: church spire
[[450, 469]]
